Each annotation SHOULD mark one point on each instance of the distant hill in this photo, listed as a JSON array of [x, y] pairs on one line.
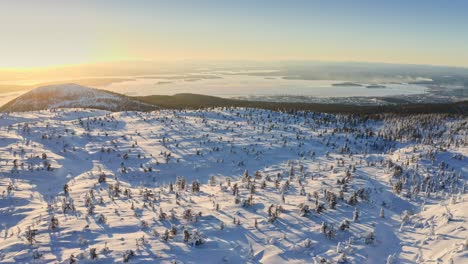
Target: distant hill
[[77, 96], [74, 96]]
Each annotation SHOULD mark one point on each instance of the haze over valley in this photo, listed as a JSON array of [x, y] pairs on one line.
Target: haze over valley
[[285, 82]]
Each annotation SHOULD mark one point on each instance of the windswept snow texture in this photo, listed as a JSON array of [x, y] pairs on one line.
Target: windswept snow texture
[[93, 186], [73, 96]]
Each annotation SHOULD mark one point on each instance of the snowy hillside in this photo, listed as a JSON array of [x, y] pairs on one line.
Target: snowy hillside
[[73, 96], [231, 186]]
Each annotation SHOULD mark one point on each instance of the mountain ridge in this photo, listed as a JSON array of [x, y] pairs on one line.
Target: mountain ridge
[[77, 96]]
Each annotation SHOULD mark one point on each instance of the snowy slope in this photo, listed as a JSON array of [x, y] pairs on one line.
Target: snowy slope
[[130, 178], [73, 96]]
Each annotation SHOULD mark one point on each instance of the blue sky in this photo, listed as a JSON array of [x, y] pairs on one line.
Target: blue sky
[[44, 33]]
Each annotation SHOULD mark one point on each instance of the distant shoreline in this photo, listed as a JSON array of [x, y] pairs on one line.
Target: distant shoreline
[[376, 86], [347, 84]]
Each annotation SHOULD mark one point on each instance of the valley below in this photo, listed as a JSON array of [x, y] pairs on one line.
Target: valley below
[[262, 86]]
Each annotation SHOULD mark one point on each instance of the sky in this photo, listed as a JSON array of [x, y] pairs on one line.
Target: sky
[[51, 33]]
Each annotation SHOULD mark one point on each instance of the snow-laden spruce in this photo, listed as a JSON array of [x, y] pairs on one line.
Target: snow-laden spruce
[[233, 186]]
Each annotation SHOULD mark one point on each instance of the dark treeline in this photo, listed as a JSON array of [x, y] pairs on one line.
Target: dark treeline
[[196, 101]]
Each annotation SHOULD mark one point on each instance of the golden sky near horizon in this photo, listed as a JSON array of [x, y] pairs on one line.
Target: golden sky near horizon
[[48, 33]]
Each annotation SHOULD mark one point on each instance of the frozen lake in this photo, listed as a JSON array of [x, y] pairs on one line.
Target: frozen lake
[[235, 85], [245, 85]]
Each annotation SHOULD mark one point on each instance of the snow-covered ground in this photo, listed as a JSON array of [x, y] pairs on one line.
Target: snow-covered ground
[[92, 186]]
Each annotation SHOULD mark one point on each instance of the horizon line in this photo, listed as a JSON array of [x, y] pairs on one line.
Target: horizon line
[[178, 61]]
